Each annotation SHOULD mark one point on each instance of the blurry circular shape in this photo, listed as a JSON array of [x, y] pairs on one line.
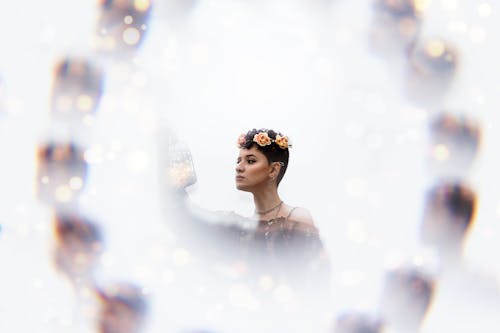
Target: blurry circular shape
[[395, 26], [266, 282], [449, 211], [63, 194], [455, 141], [122, 309], [434, 58], [441, 152], [76, 91], [128, 19], [76, 183], [131, 36], [84, 103], [422, 5], [123, 21], [61, 163], [77, 247], [434, 48], [484, 10], [142, 5], [406, 296], [433, 64]]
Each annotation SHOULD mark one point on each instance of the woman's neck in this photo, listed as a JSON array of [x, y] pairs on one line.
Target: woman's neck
[[266, 200]]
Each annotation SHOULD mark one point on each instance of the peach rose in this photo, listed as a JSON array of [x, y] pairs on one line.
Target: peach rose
[[262, 139], [282, 141], [241, 140]]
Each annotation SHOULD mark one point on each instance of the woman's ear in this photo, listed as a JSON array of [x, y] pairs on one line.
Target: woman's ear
[[275, 170]]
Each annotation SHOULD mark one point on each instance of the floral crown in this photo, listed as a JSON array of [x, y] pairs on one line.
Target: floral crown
[[263, 139]]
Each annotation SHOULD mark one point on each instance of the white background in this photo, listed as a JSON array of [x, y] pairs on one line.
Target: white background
[[358, 161]]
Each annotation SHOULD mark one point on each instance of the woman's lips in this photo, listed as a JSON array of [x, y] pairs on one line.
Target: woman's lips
[[239, 178]]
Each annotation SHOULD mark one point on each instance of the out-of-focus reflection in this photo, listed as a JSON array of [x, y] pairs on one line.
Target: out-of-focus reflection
[[448, 217], [357, 322], [455, 142], [433, 64], [76, 91], [179, 168], [406, 296], [122, 25], [395, 27], [61, 173], [77, 248], [122, 309]]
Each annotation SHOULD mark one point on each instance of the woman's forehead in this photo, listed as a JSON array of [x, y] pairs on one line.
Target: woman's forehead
[[252, 151]]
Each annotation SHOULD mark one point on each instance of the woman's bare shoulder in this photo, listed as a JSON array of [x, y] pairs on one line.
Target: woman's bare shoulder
[[302, 215]]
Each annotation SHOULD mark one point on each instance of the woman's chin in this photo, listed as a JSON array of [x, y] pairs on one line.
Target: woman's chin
[[241, 187]]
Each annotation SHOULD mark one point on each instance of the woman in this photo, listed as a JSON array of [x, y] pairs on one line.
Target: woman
[[285, 240], [278, 235], [261, 165], [275, 258]]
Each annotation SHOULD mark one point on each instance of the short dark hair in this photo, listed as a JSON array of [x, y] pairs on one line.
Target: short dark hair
[[273, 152]]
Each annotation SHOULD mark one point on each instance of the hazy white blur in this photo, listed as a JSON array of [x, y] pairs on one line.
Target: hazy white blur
[[362, 160]]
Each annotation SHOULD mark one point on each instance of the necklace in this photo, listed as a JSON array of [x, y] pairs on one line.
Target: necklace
[[262, 212]]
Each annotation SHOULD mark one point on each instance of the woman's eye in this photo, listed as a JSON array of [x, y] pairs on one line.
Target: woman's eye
[[251, 161]]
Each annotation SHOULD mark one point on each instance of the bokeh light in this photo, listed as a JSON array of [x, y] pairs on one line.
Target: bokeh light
[[118, 121]]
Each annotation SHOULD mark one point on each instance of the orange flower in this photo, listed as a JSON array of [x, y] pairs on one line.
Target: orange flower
[[262, 139], [241, 140], [282, 141]]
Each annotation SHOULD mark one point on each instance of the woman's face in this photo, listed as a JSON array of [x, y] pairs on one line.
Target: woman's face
[[252, 169]]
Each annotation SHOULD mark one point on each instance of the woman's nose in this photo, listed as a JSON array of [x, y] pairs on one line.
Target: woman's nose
[[239, 167]]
